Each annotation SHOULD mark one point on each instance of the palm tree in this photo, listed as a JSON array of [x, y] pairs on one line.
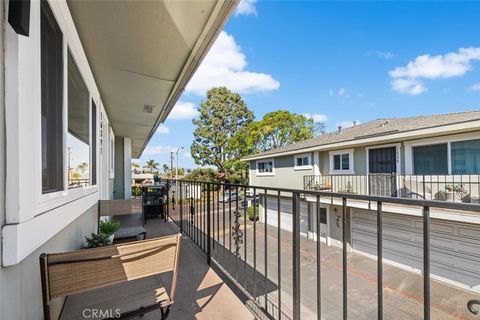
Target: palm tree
[[135, 165], [165, 169], [83, 166], [152, 164]]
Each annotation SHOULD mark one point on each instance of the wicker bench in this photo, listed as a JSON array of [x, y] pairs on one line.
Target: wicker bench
[[130, 215], [117, 281]]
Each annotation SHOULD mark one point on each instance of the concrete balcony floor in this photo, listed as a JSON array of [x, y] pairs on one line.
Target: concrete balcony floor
[[201, 293]]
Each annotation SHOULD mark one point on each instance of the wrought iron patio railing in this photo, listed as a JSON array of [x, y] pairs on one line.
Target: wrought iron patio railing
[[249, 241]]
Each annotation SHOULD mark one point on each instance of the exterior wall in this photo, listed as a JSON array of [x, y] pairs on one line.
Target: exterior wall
[[359, 161], [20, 286], [2, 156], [285, 175], [119, 180]]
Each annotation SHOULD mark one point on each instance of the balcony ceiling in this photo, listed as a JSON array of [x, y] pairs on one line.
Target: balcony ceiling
[[144, 53]]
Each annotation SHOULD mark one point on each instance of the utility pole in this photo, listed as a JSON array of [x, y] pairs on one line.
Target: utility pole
[[176, 169], [171, 164]]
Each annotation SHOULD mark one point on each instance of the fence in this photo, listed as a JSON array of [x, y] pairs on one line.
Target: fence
[[454, 188], [269, 264]]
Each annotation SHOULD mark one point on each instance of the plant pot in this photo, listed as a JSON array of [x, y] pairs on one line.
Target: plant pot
[[111, 237], [452, 196]]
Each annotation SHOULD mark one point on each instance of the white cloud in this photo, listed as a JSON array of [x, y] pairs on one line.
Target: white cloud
[[225, 65], [317, 117], [183, 110], [475, 87], [348, 123], [453, 64], [163, 129], [187, 155], [387, 55], [159, 150], [341, 92], [246, 7]]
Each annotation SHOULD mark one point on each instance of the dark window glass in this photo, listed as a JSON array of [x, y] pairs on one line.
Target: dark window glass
[[78, 128], [466, 157], [94, 143], [345, 161], [323, 215], [336, 162], [431, 159], [51, 56], [265, 167]]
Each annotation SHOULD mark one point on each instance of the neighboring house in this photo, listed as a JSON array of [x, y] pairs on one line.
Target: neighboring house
[[139, 179], [82, 84], [433, 157]]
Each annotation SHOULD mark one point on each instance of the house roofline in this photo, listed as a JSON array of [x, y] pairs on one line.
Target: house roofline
[[452, 128]]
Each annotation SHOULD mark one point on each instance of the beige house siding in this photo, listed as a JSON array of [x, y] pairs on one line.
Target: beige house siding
[[20, 286], [285, 175]]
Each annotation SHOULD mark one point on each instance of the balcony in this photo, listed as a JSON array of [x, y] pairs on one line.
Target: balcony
[[283, 275], [450, 188]]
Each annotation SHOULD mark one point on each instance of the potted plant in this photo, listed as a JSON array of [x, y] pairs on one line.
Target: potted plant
[[97, 240], [109, 228], [455, 193], [252, 213]]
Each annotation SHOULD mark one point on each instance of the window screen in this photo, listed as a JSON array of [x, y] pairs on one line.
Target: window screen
[[466, 157], [431, 159], [52, 101]]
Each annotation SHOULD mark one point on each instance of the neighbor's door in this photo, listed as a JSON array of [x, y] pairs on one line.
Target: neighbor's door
[[382, 169]]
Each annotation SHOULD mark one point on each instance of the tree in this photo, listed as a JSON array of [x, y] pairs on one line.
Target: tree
[[165, 169], [276, 129], [135, 165], [83, 166], [152, 165], [222, 115]]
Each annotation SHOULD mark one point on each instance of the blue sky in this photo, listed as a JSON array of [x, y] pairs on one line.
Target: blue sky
[[338, 62]]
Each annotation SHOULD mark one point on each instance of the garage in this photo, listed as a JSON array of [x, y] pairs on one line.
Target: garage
[[286, 214], [455, 247]]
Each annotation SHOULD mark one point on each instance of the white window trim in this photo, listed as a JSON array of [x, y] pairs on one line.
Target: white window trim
[[111, 153], [265, 174], [303, 155], [435, 140], [27, 208], [350, 152]]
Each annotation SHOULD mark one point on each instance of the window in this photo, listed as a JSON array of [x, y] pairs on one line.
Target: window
[[302, 161], [465, 157], [78, 140], [52, 101], [265, 167], [93, 127], [341, 161], [430, 159]]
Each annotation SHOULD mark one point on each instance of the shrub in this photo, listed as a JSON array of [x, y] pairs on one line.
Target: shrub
[[137, 191], [97, 240], [252, 213], [109, 227]]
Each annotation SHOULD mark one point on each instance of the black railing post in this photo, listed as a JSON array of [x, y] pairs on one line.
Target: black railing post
[[167, 213], [180, 203], [379, 260], [426, 263], [296, 255], [344, 258], [209, 231]]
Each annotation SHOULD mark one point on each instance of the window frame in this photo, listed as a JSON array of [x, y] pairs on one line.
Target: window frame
[[409, 160], [308, 166], [351, 163], [265, 174]]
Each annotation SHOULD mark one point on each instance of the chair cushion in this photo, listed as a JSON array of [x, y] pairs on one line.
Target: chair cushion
[[117, 298]]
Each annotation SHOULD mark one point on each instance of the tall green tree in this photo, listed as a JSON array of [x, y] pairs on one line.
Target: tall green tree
[[152, 165], [222, 115], [275, 130]]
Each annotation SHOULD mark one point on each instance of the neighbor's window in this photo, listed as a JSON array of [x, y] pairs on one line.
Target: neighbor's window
[[78, 149], [302, 161], [341, 162], [465, 156], [430, 159], [265, 166], [52, 101]]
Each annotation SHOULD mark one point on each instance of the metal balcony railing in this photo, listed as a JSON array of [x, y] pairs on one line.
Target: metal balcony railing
[[452, 188], [236, 235]]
